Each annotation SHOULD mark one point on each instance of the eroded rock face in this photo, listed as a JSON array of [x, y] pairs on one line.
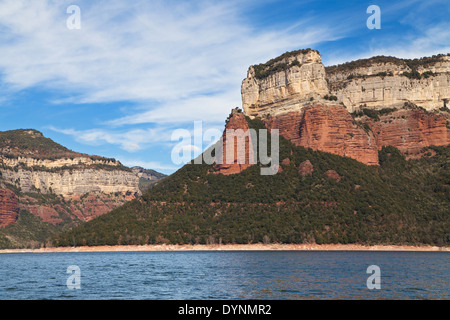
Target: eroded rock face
[[292, 98], [79, 207], [241, 141], [331, 129], [411, 130], [9, 207], [285, 88], [393, 91], [58, 185], [378, 84], [374, 84], [327, 128], [288, 124]]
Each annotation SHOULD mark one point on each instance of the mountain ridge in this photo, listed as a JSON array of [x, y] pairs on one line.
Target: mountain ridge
[[46, 188]]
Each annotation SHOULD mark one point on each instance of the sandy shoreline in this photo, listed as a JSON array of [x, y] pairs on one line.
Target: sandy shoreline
[[233, 247]]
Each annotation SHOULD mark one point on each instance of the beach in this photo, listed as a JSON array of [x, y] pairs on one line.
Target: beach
[[233, 247]]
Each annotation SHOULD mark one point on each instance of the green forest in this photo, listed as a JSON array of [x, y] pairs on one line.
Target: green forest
[[399, 202]]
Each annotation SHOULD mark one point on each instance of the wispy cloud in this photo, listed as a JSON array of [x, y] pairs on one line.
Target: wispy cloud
[[129, 140], [183, 60], [155, 165]]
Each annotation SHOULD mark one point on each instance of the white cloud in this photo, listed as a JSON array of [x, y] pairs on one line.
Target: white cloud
[[131, 140], [183, 60], [155, 165]]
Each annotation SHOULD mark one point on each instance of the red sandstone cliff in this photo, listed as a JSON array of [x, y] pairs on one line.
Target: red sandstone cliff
[[83, 207], [9, 207], [332, 129], [410, 130], [242, 147], [327, 128]]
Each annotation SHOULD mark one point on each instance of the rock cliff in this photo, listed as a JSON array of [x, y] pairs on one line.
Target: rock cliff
[[409, 130], [387, 82], [35, 167], [237, 134], [9, 207], [284, 82], [72, 182], [311, 104], [33, 163], [290, 82]]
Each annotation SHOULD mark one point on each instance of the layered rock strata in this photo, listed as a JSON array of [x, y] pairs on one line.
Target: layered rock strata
[[303, 80], [310, 104], [72, 181], [327, 128], [284, 86], [410, 130], [9, 207]]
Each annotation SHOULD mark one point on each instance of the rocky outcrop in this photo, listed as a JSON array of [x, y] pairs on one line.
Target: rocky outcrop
[[305, 168], [288, 124], [424, 82], [333, 175], [9, 207], [284, 86], [241, 157], [410, 130], [331, 129], [393, 91], [57, 163], [301, 78], [83, 208], [33, 163]]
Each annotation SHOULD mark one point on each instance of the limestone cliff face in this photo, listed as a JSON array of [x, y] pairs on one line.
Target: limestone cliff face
[[393, 91], [241, 147], [58, 163], [382, 84], [9, 207], [72, 182], [302, 80], [281, 86], [32, 163]]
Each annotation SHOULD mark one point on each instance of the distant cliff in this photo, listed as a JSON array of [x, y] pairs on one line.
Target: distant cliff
[[31, 162], [60, 186]]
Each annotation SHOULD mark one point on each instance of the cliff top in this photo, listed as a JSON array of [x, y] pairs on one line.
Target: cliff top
[[413, 64], [31, 143], [283, 62]]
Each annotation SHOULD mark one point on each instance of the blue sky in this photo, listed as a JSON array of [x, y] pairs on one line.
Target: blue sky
[[138, 70]]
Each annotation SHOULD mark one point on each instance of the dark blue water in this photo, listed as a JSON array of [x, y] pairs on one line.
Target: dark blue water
[[226, 275]]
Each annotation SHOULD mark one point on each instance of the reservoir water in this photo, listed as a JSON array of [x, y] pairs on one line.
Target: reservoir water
[[227, 275]]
